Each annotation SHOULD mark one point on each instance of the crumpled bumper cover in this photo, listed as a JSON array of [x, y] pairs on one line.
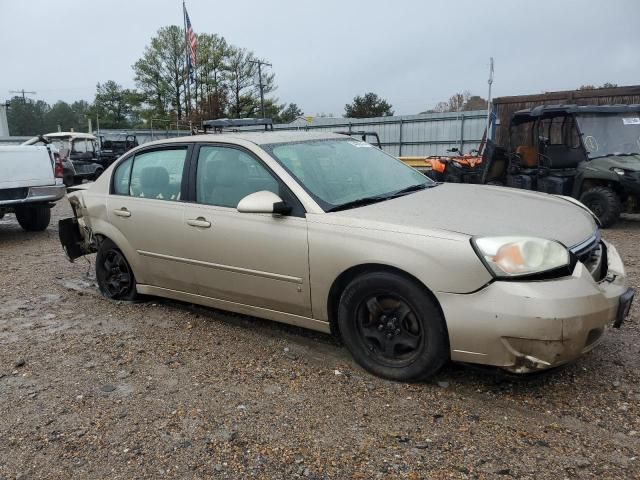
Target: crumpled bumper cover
[[528, 326]]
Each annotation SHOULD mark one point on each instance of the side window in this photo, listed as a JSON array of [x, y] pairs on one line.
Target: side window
[[158, 174], [224, 176], [121, 178]]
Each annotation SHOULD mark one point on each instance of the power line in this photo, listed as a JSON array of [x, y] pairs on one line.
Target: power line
[[260, 63], [23, 92]]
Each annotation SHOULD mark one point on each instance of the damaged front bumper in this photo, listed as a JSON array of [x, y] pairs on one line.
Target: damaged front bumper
[[528, 326]]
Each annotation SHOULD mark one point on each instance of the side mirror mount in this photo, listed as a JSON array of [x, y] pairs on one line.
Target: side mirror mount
[[263, 201]]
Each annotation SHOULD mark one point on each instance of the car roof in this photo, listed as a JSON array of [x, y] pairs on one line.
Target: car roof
[[547, 111], [69, 135], [259, 138]]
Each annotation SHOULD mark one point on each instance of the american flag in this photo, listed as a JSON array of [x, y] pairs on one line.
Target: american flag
[[192, 41]]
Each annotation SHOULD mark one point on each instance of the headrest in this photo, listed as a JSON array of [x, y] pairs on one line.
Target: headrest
[[154, 180]]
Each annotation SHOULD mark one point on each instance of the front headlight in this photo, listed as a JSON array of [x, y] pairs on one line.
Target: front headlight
[[519, 256], [619, 171]]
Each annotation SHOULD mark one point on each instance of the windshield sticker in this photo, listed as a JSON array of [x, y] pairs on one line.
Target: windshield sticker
[[360, 144], [631, 120]]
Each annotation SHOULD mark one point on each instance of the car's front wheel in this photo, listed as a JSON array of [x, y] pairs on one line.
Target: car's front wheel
[[113, 273], [393, 327]]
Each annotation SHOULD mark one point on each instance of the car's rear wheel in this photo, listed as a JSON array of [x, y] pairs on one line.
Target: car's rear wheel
[[393, 327], [114, 274], [604, 203], [33, 219]]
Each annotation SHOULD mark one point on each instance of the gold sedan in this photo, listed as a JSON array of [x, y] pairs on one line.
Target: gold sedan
[[329, 233]]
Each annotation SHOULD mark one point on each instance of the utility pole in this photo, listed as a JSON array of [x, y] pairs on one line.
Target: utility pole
[[260, 63], [490, 81], [23, 92]]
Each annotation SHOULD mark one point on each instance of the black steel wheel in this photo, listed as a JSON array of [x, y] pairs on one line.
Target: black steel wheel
[[389, 327], [114, 274], [393, 327]]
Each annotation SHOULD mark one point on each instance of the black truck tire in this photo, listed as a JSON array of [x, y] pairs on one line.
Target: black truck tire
[[604, 203], [34, 219]]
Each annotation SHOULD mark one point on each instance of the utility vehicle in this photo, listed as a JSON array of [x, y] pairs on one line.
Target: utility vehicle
[[113, 146], [80, 149], [591, 153]]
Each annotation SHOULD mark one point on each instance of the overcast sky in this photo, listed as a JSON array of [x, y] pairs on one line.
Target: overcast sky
[[413, 53]]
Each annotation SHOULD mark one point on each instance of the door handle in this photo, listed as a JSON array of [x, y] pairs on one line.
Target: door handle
[[123, 212], [199, 222]]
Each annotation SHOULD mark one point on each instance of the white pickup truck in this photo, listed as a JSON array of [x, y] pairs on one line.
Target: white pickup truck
[[30, 184]]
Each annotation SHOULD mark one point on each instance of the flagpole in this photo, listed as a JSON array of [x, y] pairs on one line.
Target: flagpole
[[186, 51]]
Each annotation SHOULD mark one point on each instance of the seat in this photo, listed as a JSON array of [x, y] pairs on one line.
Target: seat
[[528, 156], [563, 156], [154, 183], [226, 179]]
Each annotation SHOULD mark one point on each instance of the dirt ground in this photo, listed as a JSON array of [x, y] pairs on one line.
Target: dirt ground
[[95, 389]]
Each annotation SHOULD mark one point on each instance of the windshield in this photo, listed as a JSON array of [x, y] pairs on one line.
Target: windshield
[[340, 172], [616, 134]]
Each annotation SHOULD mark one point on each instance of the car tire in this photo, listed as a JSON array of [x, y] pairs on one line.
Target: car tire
[[604, 203], [393, 327], [115, 277], [33, 219]]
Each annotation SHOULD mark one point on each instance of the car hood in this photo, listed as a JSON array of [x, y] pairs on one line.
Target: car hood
[[479, 210]]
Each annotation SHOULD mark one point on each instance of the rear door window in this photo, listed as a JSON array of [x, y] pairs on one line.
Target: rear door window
[[153, 174], [121, 177]]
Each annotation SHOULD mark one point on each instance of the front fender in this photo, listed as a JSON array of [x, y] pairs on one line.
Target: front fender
[[442, 264]]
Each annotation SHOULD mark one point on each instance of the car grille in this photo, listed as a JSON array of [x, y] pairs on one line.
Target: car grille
[[13, 194], [593, 255]]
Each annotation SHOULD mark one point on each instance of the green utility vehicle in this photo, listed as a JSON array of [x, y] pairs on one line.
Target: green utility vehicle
[[591, 153]]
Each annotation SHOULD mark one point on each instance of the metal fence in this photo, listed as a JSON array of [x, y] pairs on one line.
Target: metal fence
[[408, 135]]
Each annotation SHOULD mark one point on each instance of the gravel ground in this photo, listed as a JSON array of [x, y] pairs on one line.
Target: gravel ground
[[95, 389]]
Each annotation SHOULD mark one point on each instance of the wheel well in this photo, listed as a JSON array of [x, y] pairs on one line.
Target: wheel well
[[590, 183], [100, 237], [341, 282]]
